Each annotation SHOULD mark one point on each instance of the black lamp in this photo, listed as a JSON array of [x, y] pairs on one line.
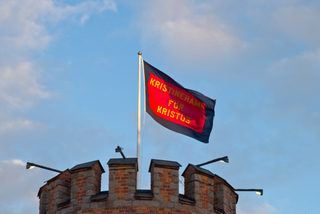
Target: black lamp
[[224, 159], [119, 149], [32, 165], [258, 191]]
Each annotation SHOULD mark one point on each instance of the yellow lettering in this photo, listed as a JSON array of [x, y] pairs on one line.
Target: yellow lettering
[[177, 93], [196, 103], [159, 109], [157, 84], [186, 98], [181, 107], [181, 96], [151, 82], [178, 114], [170, 89], [164, 111], [191, 101], [172, 114], [188, 120], [175, 105], [164, 89]]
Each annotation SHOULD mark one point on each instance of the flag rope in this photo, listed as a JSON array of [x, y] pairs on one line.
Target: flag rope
[[144, 94]]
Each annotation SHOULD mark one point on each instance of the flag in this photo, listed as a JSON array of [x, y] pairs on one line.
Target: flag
[[179, 109]]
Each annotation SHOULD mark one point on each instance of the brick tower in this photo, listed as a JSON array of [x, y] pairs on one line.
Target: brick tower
[[78, 191]]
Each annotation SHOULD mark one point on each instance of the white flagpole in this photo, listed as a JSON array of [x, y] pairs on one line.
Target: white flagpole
[[139, 122]]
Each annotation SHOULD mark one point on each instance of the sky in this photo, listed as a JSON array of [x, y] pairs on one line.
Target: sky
[[69, 90]]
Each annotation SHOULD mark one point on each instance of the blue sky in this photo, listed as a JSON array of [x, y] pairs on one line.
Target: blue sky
[[69, 81]]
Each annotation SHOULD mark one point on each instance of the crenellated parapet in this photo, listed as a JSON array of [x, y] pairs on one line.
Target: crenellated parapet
[[78, 190], [210, 191]]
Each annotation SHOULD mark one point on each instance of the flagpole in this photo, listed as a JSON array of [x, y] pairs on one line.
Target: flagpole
[[139, 121]]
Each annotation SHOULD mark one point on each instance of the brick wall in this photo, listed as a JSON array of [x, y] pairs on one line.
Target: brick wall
[[199, 185], [122, 181], [225, 199], [165, 181], [43, 196], [55, 192], [78, 190]]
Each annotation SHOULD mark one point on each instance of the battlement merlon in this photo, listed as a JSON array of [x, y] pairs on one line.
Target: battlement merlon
[[85, 181], [122, 178], [165, 180]]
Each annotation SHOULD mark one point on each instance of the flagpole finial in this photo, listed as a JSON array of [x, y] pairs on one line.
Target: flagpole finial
[[139, 53]]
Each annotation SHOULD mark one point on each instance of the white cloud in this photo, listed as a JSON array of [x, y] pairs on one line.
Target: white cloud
[[17, 124], [188, 31], [24, 32], [199, 36], [25, 27], [300, 22], [84, 19], [21, 26], [23, 22], [261, 209], [18, 195], [86, 8], [19, 85], [300, 77], [14, 162]]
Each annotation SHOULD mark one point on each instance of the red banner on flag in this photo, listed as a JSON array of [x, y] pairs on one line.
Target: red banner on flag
[[177, 108], [176, 105]]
